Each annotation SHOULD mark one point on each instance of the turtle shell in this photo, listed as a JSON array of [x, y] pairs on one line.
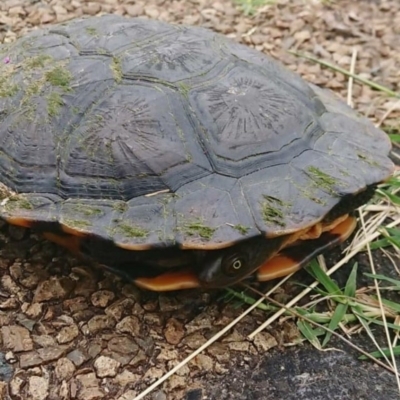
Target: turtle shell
[[152, 135]]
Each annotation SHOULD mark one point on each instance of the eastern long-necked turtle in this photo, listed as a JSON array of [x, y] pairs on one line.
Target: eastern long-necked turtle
[[176, 156]]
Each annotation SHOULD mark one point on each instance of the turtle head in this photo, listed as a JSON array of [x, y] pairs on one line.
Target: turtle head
[[221, 268]]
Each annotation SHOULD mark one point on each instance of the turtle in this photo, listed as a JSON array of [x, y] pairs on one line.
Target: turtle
[[175, 156]]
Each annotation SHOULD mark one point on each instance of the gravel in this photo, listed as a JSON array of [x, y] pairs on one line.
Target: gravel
[[72, 331]]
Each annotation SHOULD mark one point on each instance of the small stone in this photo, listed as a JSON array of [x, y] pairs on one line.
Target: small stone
[[153, 319], [219, 369], [3, 390], [38, 388], [88, 387], [106, 366], [48, 354], [102, 298], [129, 325], [36, 371], [235, 336], [128, 395], [122, 344], [91, 8], [10, 357], [240, 346], [152, 11], [29, 359], [25, 322], [176, 382], [203, 362], [9, 304], [76, 304], [83, 316], [16, 271], [220, 352], [16, 338], [139, 358], [94, 348], [167, 354], [100, 322], [168, 304], [41, 356], [6, 371], [264, 341], [195, 340], [118, 308], [77, 357], [64, 368], [59, 10], [16, 386], [174, 331], [63, 391], [159, 395], [126, 377], [134, 10], [44, 340], [85, 281], [33, 310], [67, 334], [53, 289], [153, 373]]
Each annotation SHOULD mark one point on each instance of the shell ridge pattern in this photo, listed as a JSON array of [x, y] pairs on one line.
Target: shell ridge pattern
[[186, 136]]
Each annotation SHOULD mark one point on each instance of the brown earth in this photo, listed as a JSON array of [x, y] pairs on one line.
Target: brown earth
[[72, 331]]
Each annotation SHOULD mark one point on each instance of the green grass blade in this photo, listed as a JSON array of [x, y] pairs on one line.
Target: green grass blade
[[394, 137], [309, 334], [337, 317], [384, 278], [341, 309], [250, 300], [357, 311], [393, 198], [318, 274], [380, 244], [392, 307], [385, 351]]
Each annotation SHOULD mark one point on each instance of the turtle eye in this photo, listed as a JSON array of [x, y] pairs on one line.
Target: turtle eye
[[233, 265]]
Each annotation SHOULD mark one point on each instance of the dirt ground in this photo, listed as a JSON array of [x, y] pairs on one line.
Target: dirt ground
[[71, 331]]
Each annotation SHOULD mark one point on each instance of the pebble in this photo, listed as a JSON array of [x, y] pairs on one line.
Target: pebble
[[38, 388], [203, 362], [52, 289], [64, 369], [41, 356], [128, 395], [174, 331], [133, 331], [130, 324], [264, 341], [102, 298], [118, 308], [67, 334], [126, 378], [122, 344], [16, 338], [99, 323], [77, 357], [3, 390], [88, 387], [106, 367]]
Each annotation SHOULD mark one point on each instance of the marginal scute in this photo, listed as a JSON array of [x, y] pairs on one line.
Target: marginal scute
[[147, 134]]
